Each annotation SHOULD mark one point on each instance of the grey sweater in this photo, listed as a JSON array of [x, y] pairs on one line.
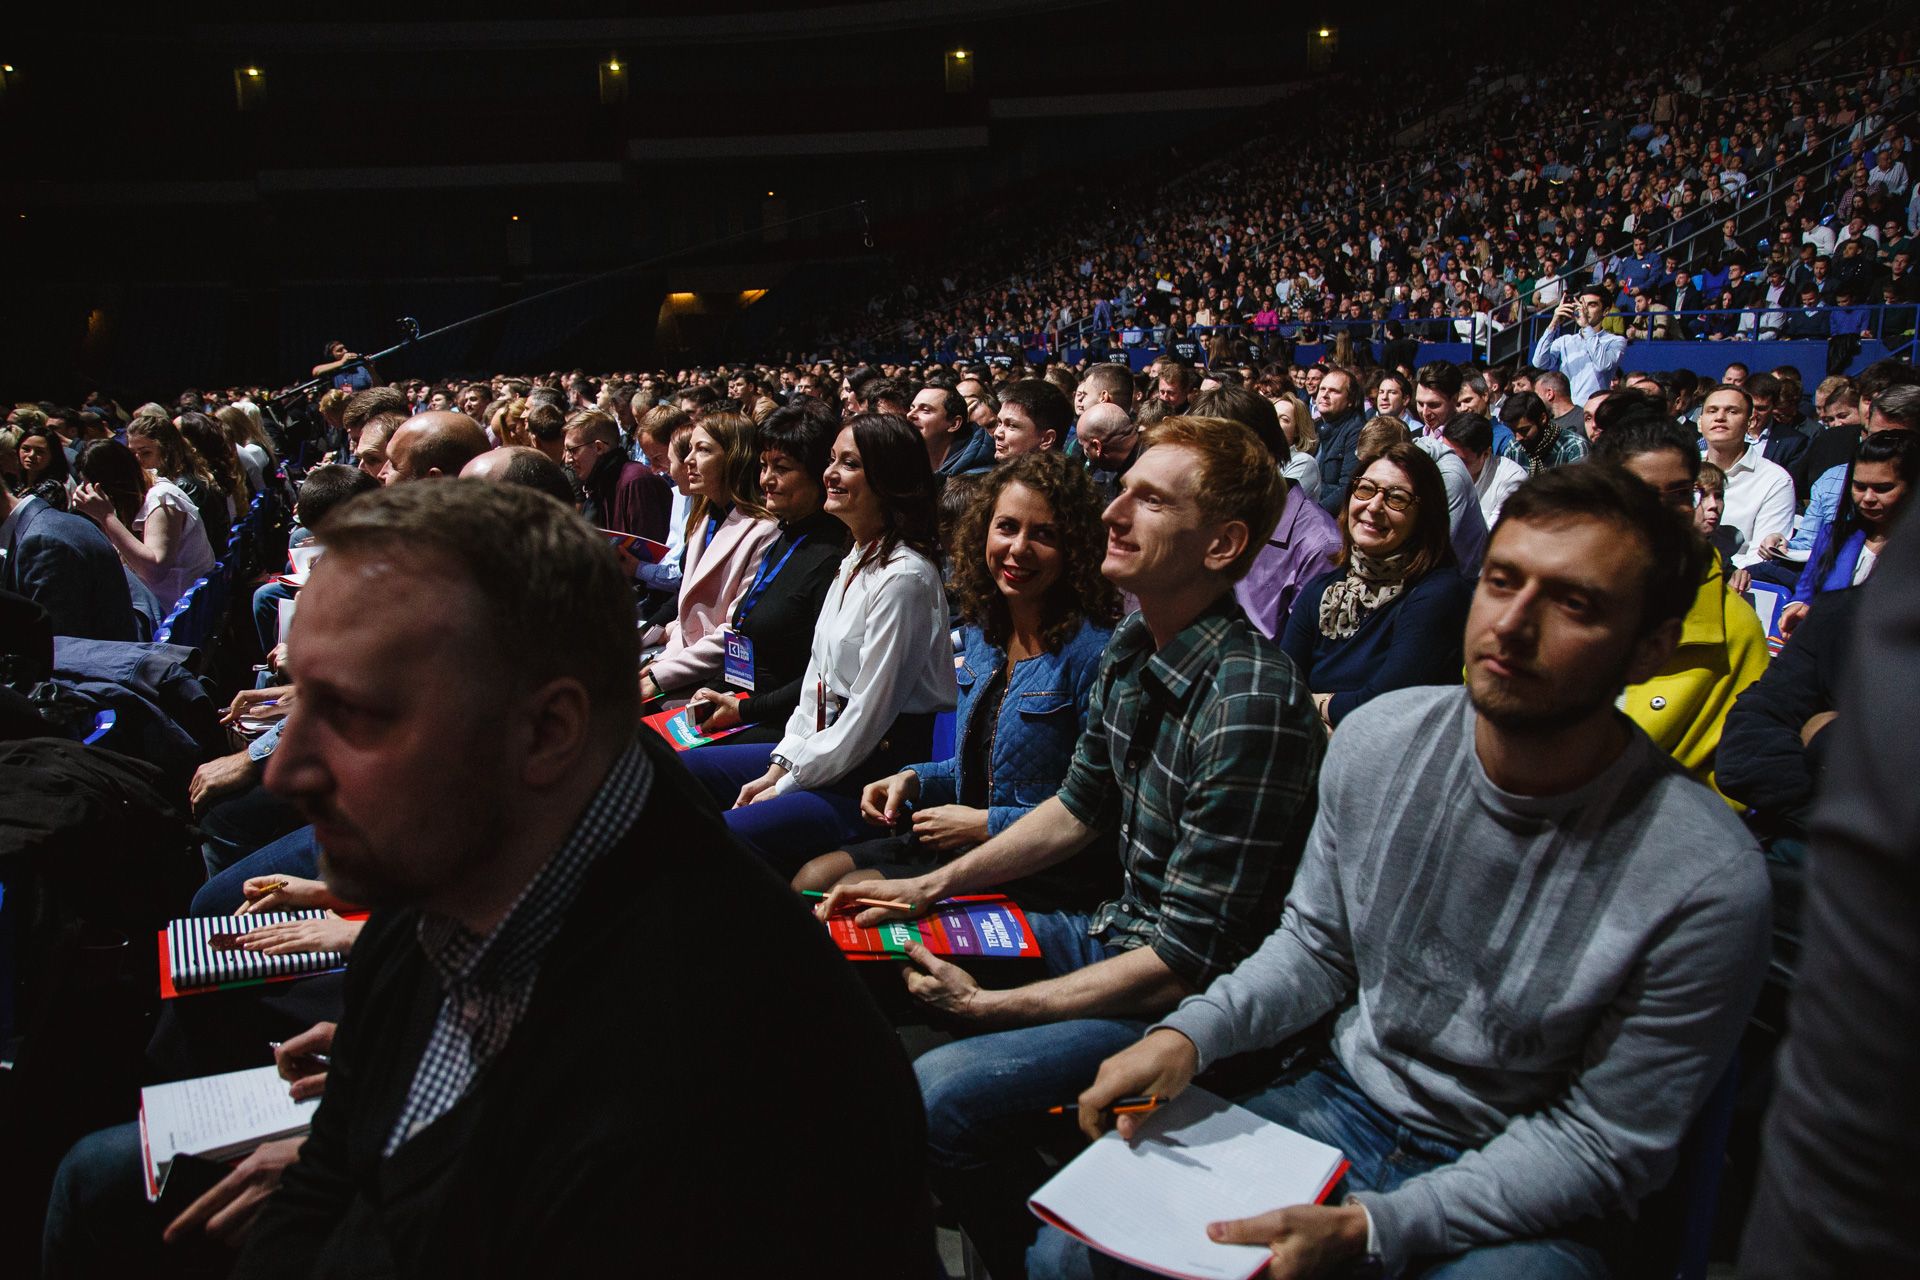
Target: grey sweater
[[1555, 982]]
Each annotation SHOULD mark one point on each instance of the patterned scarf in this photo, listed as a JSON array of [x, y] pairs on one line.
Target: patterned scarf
[[1369, 583]]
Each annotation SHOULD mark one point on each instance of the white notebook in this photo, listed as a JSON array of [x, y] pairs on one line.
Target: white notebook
[[200, 955], [217, 1118], [1199, 1159]]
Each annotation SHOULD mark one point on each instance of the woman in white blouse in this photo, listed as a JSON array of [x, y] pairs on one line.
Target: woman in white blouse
[[881, 666], [151, 522]]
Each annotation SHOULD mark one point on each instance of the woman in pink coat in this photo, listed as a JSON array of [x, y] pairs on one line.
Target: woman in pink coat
[[727, 535]]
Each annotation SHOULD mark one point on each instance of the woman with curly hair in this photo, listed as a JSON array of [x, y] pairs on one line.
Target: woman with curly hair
[[1037, 614]]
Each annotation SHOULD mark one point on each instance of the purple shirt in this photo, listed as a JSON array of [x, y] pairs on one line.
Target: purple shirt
[[1302, 548]]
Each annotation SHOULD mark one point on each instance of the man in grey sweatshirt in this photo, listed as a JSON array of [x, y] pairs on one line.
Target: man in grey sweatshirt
[[1542, 936]]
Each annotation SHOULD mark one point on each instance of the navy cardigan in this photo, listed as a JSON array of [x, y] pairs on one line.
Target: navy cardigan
[[1415, 639]]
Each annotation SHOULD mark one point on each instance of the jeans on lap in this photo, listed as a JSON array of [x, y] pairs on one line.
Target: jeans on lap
[[291, 855], [1320, 1100]]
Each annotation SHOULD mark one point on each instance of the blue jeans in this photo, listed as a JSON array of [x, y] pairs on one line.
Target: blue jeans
[[987, 1098], [1322, 1101], [98, 1220], [266, 612], [790, 830], [290, 855]]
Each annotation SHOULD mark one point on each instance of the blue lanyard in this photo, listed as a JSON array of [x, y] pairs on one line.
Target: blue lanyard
[[761, 581], [713, 522]]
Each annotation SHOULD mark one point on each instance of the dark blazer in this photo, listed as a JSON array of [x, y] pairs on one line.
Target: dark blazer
[[700, 1085], [1760, 760], [66, 564], [781, 624]]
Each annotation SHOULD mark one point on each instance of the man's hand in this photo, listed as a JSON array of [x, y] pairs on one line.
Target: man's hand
[[297, 937], [1306, 1239], [948, 827], [881, 802], [946, 987], [295, 1059], [921, 891], [761, 788], [221, 777], [1161, 1065], [226, 1211], [251, 703]]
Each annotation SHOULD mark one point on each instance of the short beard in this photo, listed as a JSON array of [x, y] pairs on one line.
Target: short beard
[[1546, 721]]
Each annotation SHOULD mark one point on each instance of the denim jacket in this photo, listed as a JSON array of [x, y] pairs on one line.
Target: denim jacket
[[1041, 719]]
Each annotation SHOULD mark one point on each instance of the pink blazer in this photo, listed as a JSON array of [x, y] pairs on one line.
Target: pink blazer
[[716, 577]]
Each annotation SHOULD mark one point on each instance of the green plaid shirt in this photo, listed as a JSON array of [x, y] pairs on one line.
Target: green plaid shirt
[[1204, 758]]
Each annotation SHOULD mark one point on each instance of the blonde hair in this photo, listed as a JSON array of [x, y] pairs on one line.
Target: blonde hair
[[1235, 478], [1306, 435]]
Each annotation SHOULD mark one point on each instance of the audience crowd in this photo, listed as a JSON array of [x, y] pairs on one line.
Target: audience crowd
[[1396, 746]]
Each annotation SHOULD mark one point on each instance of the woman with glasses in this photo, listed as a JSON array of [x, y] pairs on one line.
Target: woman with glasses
[[1392, 615]]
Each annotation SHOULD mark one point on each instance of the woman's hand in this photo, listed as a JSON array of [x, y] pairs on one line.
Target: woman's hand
[[1791, 616], [286, 893], [90, 502], [714, 711], [297, 937], [947, 827], [880, 802], [1740, 582], [761, 788], [649, 687]]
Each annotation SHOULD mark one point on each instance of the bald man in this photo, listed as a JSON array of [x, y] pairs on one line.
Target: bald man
[[517, 464], [1110, 442], [432, 446]]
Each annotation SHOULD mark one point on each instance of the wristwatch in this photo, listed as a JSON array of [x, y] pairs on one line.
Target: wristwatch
[[782, 761]]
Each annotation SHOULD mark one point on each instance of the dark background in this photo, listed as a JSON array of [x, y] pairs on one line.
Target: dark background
[[157, 235]]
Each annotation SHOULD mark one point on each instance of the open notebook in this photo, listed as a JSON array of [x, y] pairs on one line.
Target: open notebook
[[1199, 1159], [216, 1118], [194, 956]]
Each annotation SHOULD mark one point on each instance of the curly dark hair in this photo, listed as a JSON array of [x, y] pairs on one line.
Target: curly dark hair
[[1081, 593]]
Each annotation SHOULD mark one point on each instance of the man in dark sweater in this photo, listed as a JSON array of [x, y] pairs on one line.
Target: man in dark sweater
[[529, 1075]]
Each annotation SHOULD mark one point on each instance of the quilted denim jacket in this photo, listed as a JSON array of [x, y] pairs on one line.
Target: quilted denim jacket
[[1041, 719]]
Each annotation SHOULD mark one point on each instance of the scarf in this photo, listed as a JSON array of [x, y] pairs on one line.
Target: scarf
[[1367, 585]]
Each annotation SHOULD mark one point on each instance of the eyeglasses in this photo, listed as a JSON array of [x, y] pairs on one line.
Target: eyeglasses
[[1396, 499]]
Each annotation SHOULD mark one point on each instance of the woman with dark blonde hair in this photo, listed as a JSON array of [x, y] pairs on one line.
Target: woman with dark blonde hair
[[164, 451], [1037, 615], [150, 521], [727, 530], [1393, 614]]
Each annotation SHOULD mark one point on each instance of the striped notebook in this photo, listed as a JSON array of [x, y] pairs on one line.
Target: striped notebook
[[193, 959]]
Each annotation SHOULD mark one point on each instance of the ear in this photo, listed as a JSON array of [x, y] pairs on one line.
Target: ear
[[1651, 652], [1049, 440], [557, 722], [1229, 541]]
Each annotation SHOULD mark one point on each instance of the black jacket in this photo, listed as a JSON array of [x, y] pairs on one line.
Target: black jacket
[[1760, 760], [701, 1086], [781, 624]]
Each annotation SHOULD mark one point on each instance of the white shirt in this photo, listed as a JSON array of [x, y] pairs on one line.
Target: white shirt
[[1821, 238], [192, 554], [1759, 502], [1304, 470], [882, 649], [1498, 479]]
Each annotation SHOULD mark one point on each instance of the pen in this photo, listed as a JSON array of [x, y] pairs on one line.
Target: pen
[[883, 902], [1118, 1107], [323, 1059]]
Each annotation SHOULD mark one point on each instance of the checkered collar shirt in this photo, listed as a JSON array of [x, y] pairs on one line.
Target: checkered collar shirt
[[488, 980], [1202, 757]]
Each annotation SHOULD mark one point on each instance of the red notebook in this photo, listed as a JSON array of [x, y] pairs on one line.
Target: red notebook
[[978, 927]]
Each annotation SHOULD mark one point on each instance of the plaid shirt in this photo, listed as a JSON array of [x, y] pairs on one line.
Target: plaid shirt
[[1559, 447], [488, 981], [1204, 756]]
